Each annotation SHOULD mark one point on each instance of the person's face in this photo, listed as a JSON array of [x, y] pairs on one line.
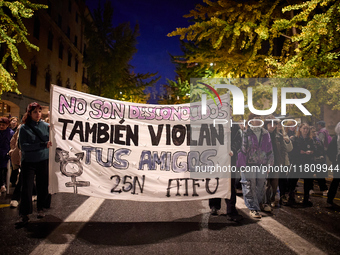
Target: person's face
[[271, 127], [313, 131], [319, 127], [304, 130], [3, 126], [292, 128], [279, 126], [14, 123], [36, 114], [256, 122]]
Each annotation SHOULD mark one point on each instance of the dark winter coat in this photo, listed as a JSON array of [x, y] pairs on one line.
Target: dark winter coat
[[304, 144], [5, 139], [332, 154]]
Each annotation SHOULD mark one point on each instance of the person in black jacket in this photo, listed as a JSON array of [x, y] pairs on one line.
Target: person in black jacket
[[281, 145], [333, 153], [302, 155], [215, 203], [5, 137], [319, 158]]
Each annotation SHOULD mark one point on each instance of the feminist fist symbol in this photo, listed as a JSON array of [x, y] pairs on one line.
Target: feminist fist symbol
[[63, 157]]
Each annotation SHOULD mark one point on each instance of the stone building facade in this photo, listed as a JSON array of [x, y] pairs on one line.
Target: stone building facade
[[59, 33]]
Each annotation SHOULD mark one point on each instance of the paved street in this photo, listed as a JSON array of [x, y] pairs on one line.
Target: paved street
[[77, 224]]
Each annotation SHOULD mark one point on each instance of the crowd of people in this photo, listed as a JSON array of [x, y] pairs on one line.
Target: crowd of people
[[26, 147], [264, 143]]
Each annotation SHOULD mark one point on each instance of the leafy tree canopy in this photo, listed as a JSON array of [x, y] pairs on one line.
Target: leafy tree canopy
[[234, 36], [110, 49], [265, 38], [317, 40], [13, 32], [178, 92]]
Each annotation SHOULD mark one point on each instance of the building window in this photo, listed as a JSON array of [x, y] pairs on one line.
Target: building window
[[69, 58], [68, 85], [75, 40], [36, 30], [50, 40], [4, 109], [34, 73], [84, 79], [68, 33], [47, 81], [84, 52], [60, 21], [59, 82], [69, 6], [61, 49], [77, 17], [76, 66]]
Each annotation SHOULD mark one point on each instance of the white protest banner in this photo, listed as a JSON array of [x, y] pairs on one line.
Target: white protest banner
[[121, 150]]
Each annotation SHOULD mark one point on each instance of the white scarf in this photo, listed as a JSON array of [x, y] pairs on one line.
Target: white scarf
[[257, 132]]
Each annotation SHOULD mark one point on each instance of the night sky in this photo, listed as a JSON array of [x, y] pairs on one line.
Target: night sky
[[156, 18]]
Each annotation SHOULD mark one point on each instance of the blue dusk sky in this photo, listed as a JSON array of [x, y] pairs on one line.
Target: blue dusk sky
[[156, 18]]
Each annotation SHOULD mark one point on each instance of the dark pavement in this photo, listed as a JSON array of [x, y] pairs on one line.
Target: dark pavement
[[77, 224]]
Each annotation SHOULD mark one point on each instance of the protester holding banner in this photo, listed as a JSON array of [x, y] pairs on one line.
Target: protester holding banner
[[302, 156], [256, 152], [34, 143], [215, 203], [333, 153]]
